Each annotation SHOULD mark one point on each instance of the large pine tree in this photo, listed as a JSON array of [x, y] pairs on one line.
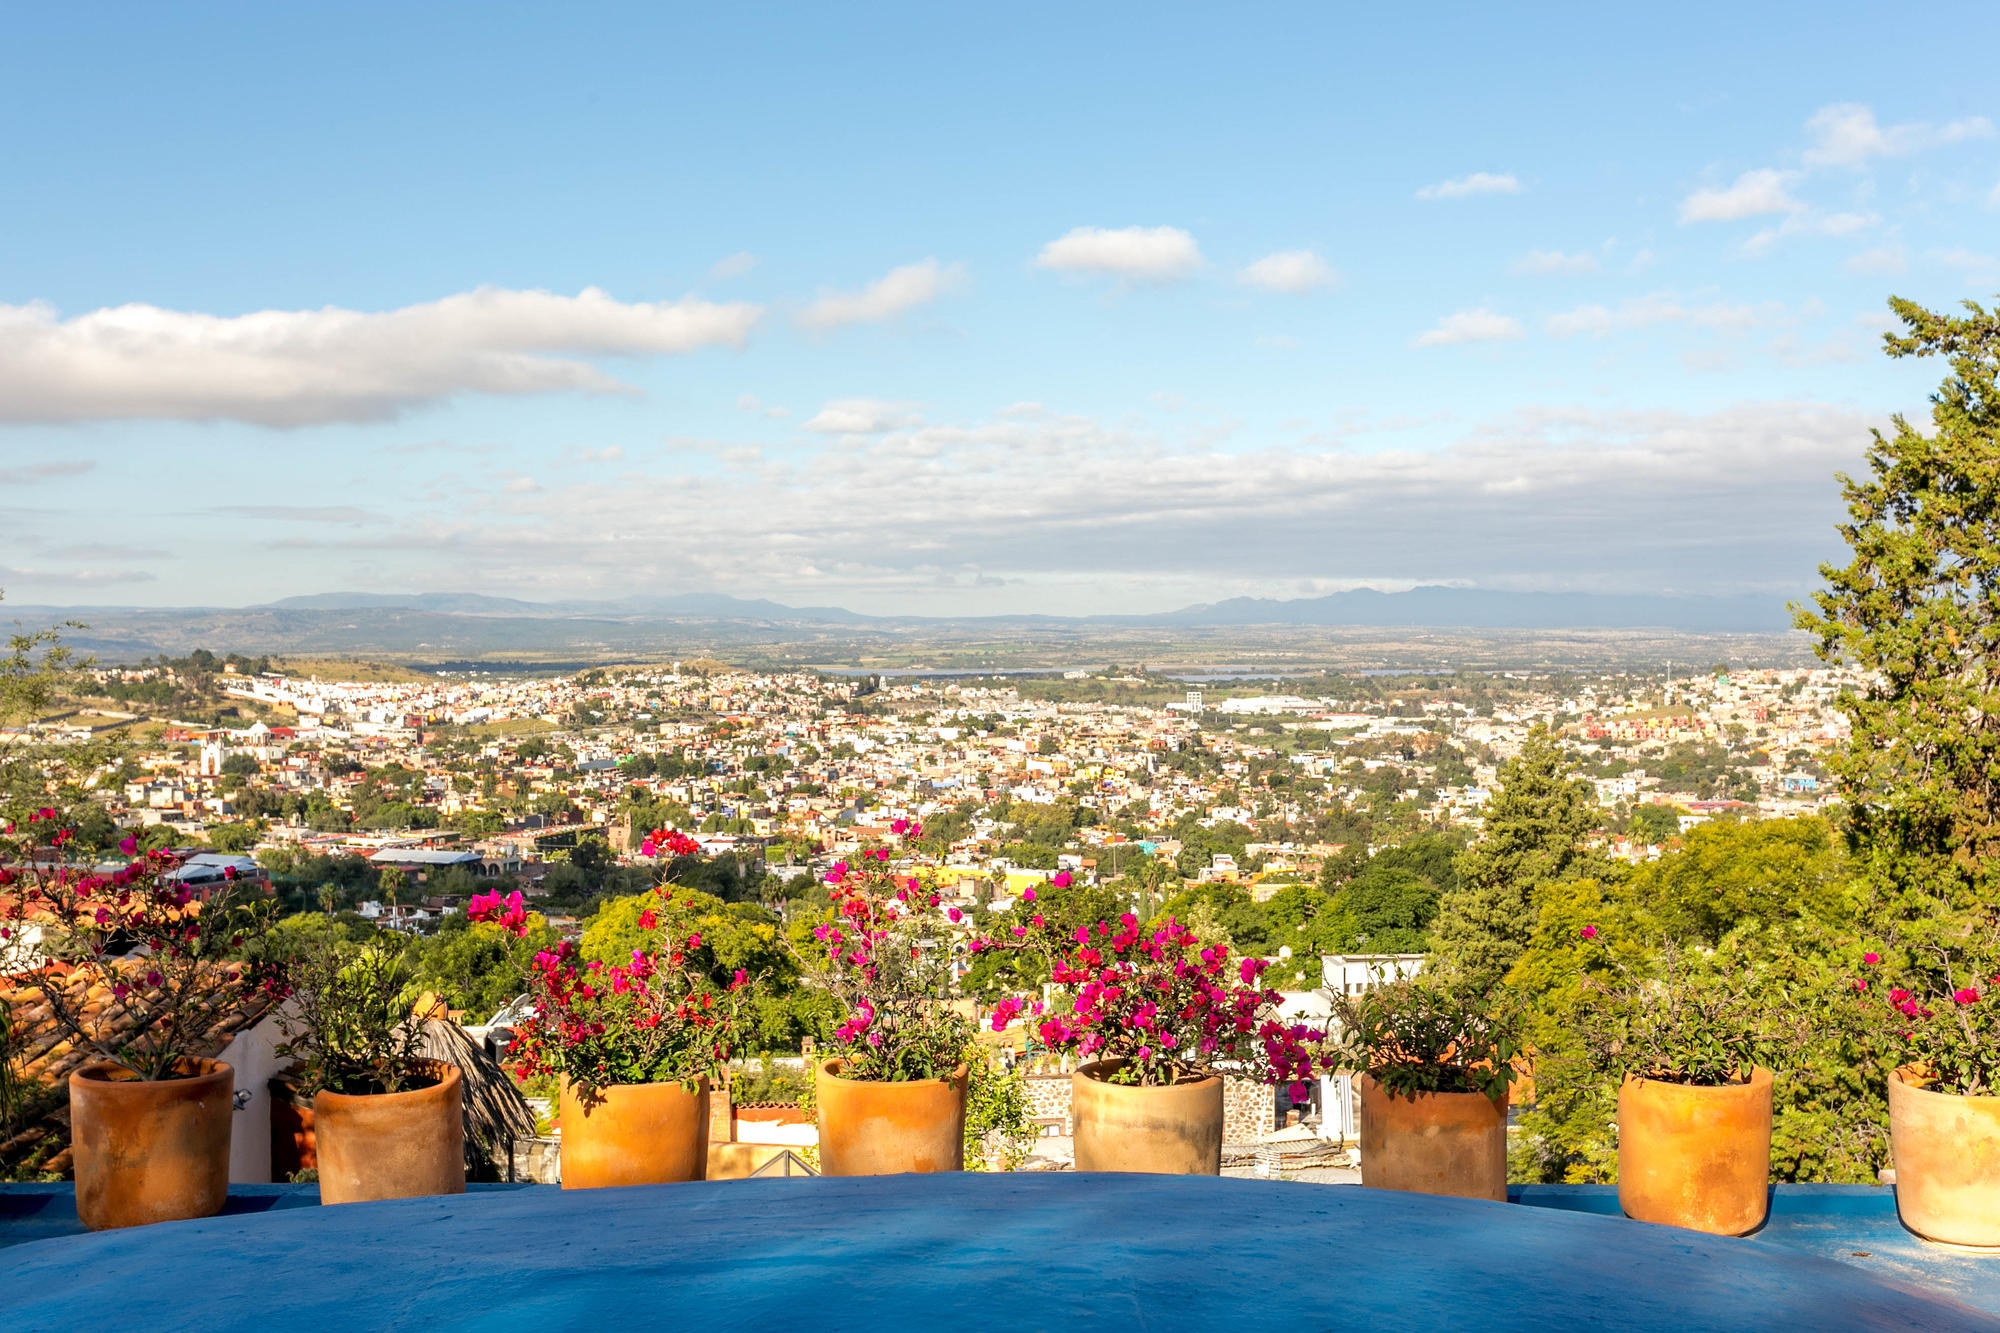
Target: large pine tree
[[1917, 609], [1533, 836]]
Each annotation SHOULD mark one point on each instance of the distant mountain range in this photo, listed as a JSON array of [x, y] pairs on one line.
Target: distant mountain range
[[446, 627], [1418, 608]]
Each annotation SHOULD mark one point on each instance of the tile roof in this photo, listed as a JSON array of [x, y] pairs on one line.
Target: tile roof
[[47, 1057]]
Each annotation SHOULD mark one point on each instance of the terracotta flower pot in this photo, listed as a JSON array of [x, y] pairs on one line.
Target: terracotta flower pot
[[634, 1134], [883, 1129], [392, 1145], [1947, 1153], [1434, 1143], [1694, 1156], [292, 1146], [150, 1150], [1167, 1131]]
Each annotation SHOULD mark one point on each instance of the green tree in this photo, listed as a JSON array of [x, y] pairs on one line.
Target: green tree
[[235, 838], [1917, 609], [1533, 836]]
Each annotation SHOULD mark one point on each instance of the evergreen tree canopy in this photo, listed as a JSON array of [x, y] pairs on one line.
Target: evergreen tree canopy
[[1918, 610], [1533, 836]]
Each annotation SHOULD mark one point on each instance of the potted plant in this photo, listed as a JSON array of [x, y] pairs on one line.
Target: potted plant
[[634, 1046], [137, 969], [293, 1151], [1433, 1061], [388, 1121], [1157, 1018], [1692, 1044], [1944, 1093], [892, 1097]]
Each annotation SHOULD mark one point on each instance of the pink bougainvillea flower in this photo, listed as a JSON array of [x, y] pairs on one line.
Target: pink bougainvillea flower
[[1062, 879], [1871, 958], [1587, 933], [955, 915], [1965, 995], [648, 919], [128, 845], [1027, 895]]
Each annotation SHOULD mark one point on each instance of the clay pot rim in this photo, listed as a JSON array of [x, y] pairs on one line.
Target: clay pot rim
[[1760, 1078], [99, 1075], [1506, 1092], [449, 1075], [1089, 1071], [1907, 1075], [697, 1083], [958, 1076]]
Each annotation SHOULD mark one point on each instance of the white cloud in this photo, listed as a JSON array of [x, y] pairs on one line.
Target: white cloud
[[733, 266], [297, 367], [523, 486], [899, 290], [1467, 326], [748, 402], [300, 513], [1156, 253], [1846, 135], [1809, 223], [610, 453], [1290, 271], [1971, 262], [1663, 308], [862, 416], [1551, 262], [1479, 182], [1882, 261], [34, 472], [1754, 194], [72, 578], [1641, 261]]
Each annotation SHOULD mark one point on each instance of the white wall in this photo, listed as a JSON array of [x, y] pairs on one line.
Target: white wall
[[253, 1054], [770, 1131]]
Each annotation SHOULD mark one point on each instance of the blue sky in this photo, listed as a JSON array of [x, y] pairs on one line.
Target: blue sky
[[927, 309]]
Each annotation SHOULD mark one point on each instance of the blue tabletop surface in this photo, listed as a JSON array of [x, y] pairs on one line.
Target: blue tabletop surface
[[1057, 1251]]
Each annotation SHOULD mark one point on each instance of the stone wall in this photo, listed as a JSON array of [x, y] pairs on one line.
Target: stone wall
[[1246, 1110]]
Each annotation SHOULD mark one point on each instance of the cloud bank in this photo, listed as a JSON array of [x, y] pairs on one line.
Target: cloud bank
[[302, 367], [1737, 500]]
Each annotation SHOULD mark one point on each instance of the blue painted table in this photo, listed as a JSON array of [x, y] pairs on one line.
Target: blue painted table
[[1029, 1252]]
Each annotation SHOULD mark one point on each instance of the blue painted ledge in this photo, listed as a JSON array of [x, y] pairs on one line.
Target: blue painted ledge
[[974, 1252], [1855, 1224]]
